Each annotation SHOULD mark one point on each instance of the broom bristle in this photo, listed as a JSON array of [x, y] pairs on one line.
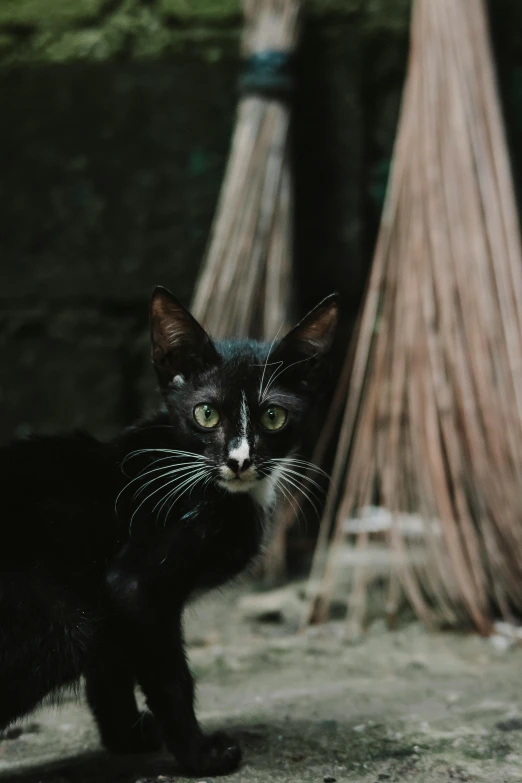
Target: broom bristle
[[433, 416], [245, 282]]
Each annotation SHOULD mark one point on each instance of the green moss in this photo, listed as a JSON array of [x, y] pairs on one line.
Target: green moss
[[392, 12], [43, 12], [202, 10], [131, 33], [93, 45], [387, 13], [114, 42], [71, 31]]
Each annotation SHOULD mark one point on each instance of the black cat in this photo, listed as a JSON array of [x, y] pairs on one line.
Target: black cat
[[102, 544]]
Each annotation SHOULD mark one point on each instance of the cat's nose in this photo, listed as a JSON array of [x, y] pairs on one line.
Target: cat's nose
[[238, 465]]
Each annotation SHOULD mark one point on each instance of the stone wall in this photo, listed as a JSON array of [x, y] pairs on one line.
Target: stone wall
[[116, 119]]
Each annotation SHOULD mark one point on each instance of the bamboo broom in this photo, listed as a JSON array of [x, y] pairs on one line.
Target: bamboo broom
[[433, 414]]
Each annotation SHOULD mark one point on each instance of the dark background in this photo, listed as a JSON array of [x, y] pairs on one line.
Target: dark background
[[115, 123]]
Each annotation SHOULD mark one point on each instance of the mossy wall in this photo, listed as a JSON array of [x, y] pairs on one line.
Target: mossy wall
[[116, 119]]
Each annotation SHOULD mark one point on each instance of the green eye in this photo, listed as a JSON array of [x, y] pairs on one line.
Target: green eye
[[206, 415], [274, 418]]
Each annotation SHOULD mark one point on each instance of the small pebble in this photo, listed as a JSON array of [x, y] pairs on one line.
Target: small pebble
[[501, 643], [329, 779]]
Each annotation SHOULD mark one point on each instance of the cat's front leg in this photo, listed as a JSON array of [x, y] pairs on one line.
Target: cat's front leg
[[166, 681], [143, 596], [110, 693]]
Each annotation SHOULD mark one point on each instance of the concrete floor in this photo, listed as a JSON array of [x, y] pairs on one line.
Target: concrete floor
[[402, 706]]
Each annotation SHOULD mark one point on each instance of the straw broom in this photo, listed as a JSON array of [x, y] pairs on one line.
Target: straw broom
[[244, 287], [433, 414]]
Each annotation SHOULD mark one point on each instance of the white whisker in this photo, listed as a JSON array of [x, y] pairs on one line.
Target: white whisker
[[275, 375], [207, 482], [303, 476], [185, 479], [189, 489], [266, 362], [286, 465], [299, 487], [287, 495], [291, 499], [183, 471], [173, 461], [196, 461], [300, 462], [301, 479], [278, 366], [146, 472], [151, 494], [166, 451], [191, 484]]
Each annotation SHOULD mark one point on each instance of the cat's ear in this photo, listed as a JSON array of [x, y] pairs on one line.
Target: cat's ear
[[180, 346], [308, 343]]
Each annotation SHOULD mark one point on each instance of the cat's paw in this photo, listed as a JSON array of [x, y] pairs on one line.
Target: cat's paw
[[217, 754], [143, 737]]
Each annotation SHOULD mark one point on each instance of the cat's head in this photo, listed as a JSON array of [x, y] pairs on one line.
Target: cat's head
[[240, 406]]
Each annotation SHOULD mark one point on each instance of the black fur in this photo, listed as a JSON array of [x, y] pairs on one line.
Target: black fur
[[87, 590]]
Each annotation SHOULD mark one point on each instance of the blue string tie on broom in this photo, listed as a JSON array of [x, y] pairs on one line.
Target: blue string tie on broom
[[269, 74]]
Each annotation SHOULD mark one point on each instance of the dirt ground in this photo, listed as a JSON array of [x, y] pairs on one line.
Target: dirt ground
[[401, 706]]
